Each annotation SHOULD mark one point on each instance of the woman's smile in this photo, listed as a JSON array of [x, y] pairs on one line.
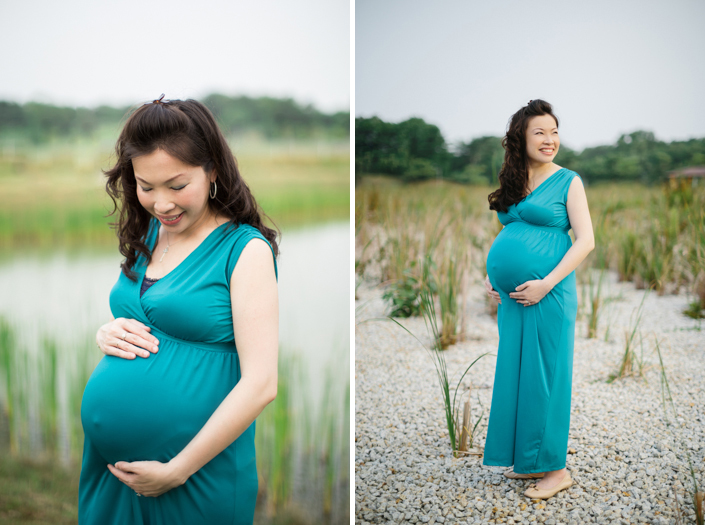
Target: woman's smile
[[172, 220]]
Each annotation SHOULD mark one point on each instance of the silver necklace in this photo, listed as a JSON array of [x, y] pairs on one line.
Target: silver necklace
[[167, 246]]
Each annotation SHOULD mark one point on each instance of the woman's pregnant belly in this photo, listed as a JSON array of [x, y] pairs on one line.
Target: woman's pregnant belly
[[150, 408], [522, 252]]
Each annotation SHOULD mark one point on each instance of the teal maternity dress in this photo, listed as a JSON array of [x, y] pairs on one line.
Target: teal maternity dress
[[530, 413], [151, 408]]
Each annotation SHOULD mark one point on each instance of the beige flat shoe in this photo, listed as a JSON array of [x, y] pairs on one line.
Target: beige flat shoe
[[513, 475], [535, 493]]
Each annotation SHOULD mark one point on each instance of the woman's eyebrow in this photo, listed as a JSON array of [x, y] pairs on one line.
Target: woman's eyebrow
[[142, 180], [540, 129]]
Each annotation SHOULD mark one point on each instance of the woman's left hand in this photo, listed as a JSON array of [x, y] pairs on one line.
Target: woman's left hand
[[531, 292], [147, 478]]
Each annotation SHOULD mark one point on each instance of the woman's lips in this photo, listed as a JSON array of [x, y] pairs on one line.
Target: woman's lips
[[174, 219]]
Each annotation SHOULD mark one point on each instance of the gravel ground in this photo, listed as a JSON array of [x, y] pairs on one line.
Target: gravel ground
[[627, 463]]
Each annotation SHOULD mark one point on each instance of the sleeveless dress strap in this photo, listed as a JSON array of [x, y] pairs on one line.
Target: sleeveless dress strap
[[567, 180]]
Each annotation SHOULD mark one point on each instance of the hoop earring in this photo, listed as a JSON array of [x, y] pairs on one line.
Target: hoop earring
[[215, 190]]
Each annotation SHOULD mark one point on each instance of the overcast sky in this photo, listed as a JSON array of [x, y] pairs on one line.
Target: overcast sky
[[76, 52], [466, 66]]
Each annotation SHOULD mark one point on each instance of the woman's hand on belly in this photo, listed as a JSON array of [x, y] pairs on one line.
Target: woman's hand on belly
[[147, 478], [491, 291], [530, 292], [126, 338]]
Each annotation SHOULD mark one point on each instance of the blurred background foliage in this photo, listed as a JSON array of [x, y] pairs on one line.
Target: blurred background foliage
[[414, 150], [38, 123], [295, 158]]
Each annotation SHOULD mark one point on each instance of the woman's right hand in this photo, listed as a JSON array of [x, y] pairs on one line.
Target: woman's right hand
[[491, 291], [126, 338]]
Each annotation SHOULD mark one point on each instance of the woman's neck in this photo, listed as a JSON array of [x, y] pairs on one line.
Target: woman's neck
[[539, 171]]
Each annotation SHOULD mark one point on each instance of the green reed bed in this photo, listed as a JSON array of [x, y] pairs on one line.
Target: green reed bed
[[420, 220], [49, 393], [7, 356], [47, 222], [333, 451], [320, 449], [42, 393], [651, 237], [55, 194], [294, 441], [451, 294]]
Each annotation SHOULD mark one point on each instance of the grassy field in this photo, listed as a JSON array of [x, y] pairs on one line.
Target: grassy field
[[55, 194]]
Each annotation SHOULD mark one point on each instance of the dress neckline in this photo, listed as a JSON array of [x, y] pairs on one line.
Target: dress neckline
[[189, 256], [545, 181]]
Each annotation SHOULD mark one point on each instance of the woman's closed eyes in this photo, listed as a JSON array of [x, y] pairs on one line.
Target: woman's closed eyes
[[176, 189]]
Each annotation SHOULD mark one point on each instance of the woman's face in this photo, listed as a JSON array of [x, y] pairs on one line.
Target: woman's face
[[542, 139], [174, 192]]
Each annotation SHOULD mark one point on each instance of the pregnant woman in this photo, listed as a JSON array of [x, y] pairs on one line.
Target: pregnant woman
[[531, 272], [191, 356]]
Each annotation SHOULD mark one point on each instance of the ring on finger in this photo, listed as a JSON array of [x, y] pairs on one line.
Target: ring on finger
[[124, 334]]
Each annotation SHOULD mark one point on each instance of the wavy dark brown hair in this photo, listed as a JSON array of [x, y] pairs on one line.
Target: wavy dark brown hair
[[514, 174], [186, 130]]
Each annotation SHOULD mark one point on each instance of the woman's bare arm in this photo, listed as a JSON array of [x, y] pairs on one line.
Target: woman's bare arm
[[255, 306]]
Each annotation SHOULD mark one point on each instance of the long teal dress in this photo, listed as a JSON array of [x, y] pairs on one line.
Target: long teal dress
[[151, 408], [530, 413]]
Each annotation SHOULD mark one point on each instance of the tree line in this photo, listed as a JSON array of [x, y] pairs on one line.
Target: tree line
[[270, 117], [414, 150]]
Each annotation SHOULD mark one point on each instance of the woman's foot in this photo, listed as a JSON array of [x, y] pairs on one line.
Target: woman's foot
[[536, 492], [551, 479]]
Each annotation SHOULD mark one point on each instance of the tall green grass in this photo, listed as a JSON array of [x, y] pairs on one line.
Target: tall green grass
[[7, 358], [595, 303], [631, 363], [451, 293], [32, 400]]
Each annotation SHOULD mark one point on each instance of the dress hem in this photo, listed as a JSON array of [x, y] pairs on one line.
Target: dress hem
[[532, 471]]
